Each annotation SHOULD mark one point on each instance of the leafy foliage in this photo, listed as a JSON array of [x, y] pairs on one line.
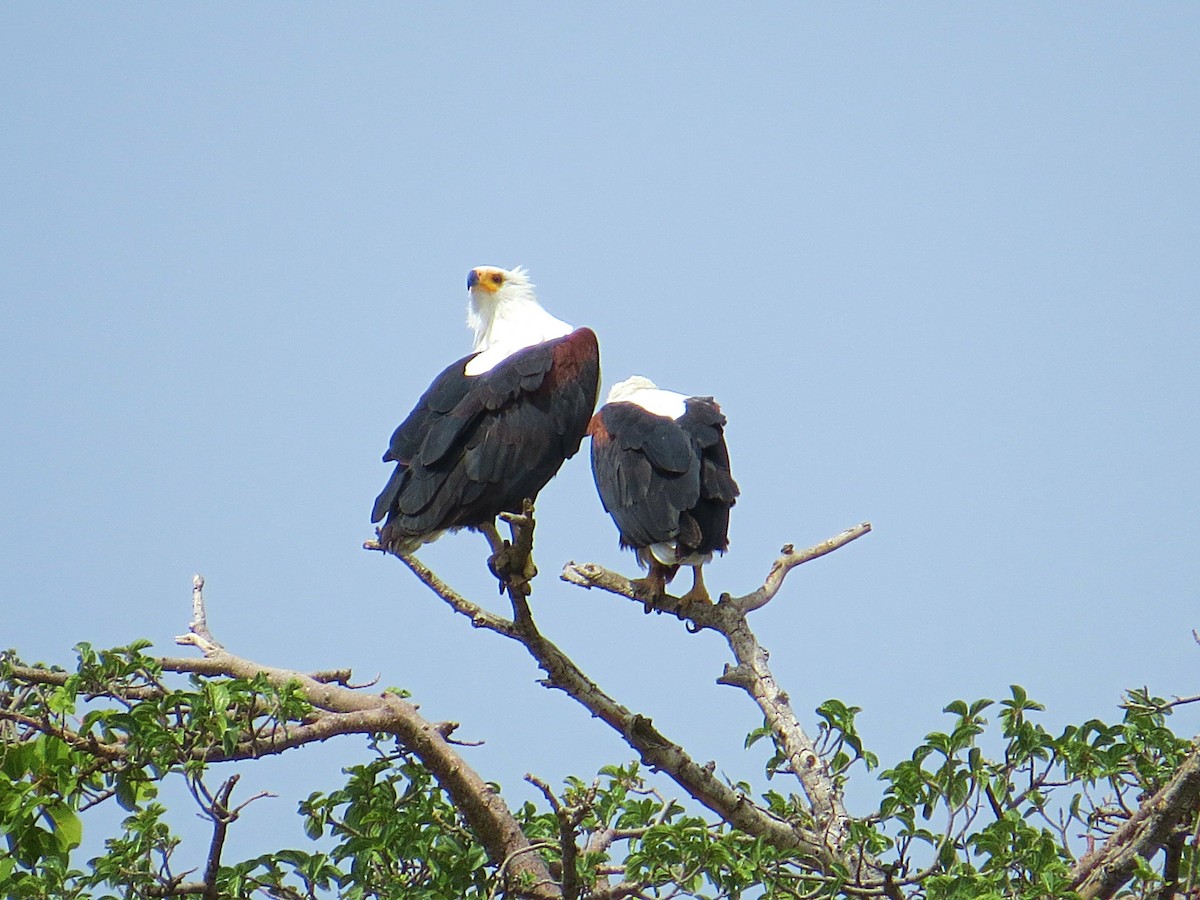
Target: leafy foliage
[[988, 807]]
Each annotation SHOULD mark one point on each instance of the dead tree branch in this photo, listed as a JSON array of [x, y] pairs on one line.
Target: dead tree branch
[[752, 674], [1101, 873], [822, 845], [347, 710], [568, 824], [217, 809], [788, 560]]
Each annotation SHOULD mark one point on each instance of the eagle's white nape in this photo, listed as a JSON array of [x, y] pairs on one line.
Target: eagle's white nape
[[508, 320], [640, 390]]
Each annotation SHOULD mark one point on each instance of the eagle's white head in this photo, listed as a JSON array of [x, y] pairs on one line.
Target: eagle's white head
[[645, 393], [505, 315], [625, 391]]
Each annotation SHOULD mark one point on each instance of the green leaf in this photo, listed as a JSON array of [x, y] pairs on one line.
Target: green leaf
[[68, 829]]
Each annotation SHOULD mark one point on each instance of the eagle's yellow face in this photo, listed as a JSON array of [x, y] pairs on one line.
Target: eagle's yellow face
[[486, 279]]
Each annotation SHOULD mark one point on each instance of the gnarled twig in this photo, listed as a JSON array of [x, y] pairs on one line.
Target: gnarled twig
[[346, 710], [752, 674], [1101, 873], [823, 845]]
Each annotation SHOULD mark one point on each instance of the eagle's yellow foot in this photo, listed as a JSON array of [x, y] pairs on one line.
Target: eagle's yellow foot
[[695, 596], [698, 593]]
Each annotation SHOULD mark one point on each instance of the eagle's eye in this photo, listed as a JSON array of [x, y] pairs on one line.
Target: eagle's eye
[[496, 278]]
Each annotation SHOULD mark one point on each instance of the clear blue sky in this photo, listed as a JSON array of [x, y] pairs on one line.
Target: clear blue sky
[[937, 262]]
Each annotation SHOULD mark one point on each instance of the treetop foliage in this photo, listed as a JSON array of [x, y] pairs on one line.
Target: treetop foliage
[[992, 805]]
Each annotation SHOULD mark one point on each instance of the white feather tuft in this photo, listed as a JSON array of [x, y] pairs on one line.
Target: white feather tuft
[[640, 390]]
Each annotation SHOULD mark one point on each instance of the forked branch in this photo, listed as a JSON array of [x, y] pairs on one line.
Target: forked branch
[[788, 559], [487, 814], [590, 575], [752, 674], [824, 844]]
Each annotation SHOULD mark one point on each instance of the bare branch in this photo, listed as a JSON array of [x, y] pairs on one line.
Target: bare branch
[[198, 634], [480, 617], [618, 891], [804, 762], [486, 812], [339, 676], [176, 889], [512, 861], [590, 575], [1174, 853], [655, 750], [787, 561], [752, 674], [492, 533], [1101, 873], [91, 745], [37, 675], [218, 810], [566, 839]]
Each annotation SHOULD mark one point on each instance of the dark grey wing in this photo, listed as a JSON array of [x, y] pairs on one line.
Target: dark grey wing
[[440, 398], [646, 471], [477, 445], [705, 424]]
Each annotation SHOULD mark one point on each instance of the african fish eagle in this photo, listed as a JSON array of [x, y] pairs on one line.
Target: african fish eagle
[[662, 469], [495, 426]]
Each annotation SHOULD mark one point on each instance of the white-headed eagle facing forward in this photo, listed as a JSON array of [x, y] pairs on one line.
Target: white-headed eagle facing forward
[[662, 470], [494, 426]]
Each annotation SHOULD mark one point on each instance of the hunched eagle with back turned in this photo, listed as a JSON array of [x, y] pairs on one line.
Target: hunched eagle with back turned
[[495, 426], [662, 470]]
